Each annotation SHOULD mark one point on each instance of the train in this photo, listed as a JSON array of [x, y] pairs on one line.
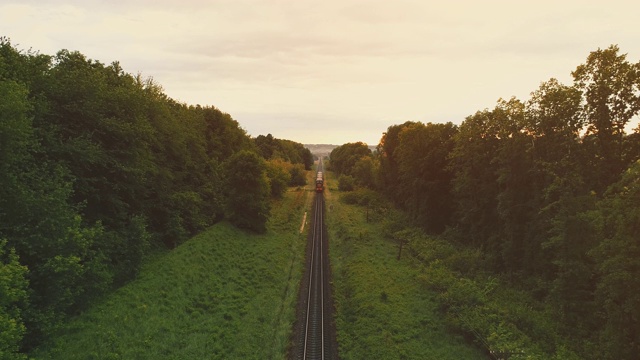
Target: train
[[319, 182]]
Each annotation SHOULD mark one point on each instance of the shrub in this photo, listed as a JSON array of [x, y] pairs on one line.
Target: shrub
[[298, 177], [279, 174], [346, 183], [13, 297]]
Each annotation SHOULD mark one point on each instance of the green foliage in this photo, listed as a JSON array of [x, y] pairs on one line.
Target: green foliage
[[96, 165], [388, 172], [248, 191], [474, 184], [223, 294], [618, 262], [382, 312], [127, 248], [287, 150], [286, 162], [364, 172], [16, 131], [346, 183], [279, 174], [353, 159], [535, 188], [13, 299], [611, 90], [298, 175], [423, 186], [363, 197], [65, 264], [500, 319]]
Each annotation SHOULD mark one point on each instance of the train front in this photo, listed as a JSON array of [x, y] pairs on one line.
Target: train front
[[319, 182]]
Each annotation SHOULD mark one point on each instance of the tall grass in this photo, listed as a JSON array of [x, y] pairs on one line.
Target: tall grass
[[382, 310], [225, 294]]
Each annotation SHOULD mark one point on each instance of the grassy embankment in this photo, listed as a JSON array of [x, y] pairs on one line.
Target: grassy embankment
[[224, 294], [383, 311]]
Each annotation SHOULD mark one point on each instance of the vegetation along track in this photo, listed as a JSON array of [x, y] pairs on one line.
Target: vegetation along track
[[315, 338]]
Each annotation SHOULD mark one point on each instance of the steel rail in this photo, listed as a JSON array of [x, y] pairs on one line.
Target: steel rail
[[316, 272]]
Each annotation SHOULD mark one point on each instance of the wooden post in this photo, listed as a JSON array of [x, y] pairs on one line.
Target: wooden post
[[401, 243]]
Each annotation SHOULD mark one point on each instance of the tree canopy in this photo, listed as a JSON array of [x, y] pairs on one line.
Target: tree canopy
[[546, 188], [97, 168]]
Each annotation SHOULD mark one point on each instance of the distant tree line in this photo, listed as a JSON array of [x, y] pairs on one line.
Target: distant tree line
[[97, 168], [547, 188], [355, 165], [287, 162]]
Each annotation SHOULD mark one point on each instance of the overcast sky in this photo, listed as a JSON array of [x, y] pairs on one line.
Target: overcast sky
[[333, 71]]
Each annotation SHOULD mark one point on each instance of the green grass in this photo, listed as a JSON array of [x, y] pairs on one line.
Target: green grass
[[224, 294], [383, 311]]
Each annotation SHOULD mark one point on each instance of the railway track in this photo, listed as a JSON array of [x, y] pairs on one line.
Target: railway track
[[314, 327], [316, 332]]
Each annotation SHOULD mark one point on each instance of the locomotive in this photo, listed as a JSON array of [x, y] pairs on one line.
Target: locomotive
[[319, 182]]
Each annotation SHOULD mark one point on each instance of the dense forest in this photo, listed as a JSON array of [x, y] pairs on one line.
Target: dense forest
[[546, 189], [98, 168]]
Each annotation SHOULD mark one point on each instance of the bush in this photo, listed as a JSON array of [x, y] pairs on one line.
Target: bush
[[362, 197], [346, 183], [13, 298], [248, 191], [279, 174], [298, 177]]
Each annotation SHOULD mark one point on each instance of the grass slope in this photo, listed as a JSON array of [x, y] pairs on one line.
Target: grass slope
[[225, 294], [383, 312]]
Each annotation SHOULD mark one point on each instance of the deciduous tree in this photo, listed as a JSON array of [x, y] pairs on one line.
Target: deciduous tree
[[248, 191], [611, 90]]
